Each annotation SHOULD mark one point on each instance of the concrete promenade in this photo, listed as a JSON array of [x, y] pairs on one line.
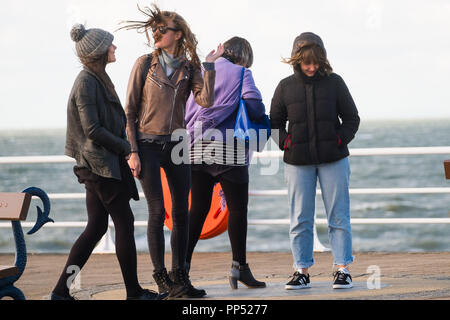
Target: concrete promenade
[[403, 276]]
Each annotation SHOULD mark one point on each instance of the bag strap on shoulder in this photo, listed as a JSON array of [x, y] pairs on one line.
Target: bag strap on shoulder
[[241, 83], [148, 63]]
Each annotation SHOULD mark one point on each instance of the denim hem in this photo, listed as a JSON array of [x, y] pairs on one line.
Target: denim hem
[[302, 265], [346, 263]]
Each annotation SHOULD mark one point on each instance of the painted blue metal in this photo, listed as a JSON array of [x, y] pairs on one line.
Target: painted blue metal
[[42, 217], [7, 288]]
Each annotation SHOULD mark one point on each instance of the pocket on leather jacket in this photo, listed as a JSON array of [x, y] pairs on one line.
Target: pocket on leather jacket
[[155, 81]]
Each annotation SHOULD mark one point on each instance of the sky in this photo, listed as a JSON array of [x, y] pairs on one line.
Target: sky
[[393, 55]]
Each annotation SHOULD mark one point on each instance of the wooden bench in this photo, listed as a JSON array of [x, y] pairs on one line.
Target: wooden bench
[[447, 169], [13, 207], [8, 271]]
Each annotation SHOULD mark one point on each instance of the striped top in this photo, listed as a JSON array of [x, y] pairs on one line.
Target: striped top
[[218, 152]]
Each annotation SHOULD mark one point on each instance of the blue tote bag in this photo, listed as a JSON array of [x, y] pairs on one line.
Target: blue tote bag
[[254, 134]]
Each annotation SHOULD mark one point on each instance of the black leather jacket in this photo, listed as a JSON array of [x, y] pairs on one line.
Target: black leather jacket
[[96, 125]]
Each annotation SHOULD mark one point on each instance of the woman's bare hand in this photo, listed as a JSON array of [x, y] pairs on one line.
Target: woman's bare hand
[[135, 164], [215, 54]]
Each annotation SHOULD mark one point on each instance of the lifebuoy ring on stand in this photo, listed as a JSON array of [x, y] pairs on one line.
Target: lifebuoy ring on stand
[[216, 222]]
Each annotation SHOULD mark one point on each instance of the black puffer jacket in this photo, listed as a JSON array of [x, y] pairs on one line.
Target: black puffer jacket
[[322, 118], [96, 125], [321, 113]]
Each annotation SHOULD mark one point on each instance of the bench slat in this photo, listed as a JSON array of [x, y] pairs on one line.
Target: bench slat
[[8, 271], [447, 169], [14, 206]]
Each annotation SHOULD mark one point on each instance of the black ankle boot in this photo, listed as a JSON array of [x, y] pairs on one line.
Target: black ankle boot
[[181, 277], [147, 294], [166, 285], [244, 275]]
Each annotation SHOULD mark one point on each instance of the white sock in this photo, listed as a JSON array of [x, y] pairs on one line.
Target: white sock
[[344, 270]]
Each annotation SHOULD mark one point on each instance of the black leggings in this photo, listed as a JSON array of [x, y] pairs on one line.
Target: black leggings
[[153, 156], [103, 197], [236, 196]]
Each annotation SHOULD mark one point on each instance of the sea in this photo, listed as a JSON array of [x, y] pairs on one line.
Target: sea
[[399, 171]]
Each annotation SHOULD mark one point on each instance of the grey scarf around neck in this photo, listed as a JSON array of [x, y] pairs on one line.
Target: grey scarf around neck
[[169, 63]]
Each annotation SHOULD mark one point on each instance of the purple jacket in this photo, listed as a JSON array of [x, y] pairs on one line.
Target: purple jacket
[[221, 115]]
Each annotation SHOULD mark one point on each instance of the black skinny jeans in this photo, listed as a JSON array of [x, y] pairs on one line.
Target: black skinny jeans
[[106, 197], [153, 156], [236, 195]]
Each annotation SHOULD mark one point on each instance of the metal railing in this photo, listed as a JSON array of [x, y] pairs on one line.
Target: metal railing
[[106, 245]]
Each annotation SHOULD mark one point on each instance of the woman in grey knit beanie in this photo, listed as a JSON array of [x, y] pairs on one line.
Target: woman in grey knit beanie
[[91, 43], [96, 139], [95, 50]]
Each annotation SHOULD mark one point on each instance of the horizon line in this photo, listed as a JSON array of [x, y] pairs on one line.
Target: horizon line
[[366, 120]]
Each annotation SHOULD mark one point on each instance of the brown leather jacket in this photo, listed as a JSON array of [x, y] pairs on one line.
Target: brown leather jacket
[[156, 105]]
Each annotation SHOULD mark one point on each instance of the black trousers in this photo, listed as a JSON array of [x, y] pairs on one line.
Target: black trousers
[[236, 195], [105, 197], [153, 157]]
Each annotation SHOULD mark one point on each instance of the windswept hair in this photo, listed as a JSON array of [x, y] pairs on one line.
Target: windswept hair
[[238, 51], [310, 52], [187, 44]]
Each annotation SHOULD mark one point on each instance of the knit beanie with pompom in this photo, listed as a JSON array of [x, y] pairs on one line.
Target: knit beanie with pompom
[[90, 43]]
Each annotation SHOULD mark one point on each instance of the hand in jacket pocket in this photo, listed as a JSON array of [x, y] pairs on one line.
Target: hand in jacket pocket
[[287, 143]]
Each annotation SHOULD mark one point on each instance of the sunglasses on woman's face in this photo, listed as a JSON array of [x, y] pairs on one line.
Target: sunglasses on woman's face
[[163, 29]]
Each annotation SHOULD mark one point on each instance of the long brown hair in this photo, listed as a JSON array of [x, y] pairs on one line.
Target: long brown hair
[[97, 64], [187, 44], [310, 52]]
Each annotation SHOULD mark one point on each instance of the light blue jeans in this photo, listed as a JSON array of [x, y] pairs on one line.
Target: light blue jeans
[[334, 180]]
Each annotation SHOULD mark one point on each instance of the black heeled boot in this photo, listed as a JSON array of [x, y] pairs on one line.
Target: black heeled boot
[[181, 277], [167, 286], [243, 274]]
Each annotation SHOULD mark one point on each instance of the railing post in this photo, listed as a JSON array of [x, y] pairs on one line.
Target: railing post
[[318, 246], [106, 244], [447, 172]]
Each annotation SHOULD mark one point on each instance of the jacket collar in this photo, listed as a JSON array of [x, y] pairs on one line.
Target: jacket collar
[[305, 79], [157, 70]]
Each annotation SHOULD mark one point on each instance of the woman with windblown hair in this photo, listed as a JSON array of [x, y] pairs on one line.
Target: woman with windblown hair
[[159, 85]]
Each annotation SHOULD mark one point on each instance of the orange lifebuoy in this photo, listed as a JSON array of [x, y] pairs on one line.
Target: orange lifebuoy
[[217, 220]]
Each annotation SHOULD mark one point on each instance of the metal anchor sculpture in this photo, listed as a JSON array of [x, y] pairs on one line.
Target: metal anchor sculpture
[[18, 204]]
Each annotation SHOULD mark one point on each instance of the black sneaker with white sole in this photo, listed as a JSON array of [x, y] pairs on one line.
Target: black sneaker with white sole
[[342, 280], [298, 281]]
